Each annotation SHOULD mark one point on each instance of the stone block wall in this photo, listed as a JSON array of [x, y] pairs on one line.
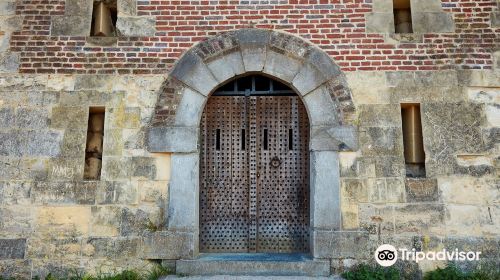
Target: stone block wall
[[53, 220]]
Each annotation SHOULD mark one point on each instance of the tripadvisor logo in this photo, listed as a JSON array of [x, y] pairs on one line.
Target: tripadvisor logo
[[387, 255]]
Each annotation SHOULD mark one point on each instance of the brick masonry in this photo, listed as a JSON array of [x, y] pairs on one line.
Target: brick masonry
[[338, 27], [52, 220]]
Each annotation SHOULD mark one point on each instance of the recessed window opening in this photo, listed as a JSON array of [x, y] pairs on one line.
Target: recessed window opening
[[93, 149], [104, 16], [413, 140], [290, 139], [217, 140], [402, 16]]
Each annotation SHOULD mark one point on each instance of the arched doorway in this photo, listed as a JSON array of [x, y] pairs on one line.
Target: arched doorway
[[175, 126], [254, 169]]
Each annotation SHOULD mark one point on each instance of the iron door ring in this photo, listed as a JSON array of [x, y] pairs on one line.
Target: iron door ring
[[275, 162]]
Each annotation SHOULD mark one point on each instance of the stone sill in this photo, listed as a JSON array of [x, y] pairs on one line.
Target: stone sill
[[398, 38], [101, 41]]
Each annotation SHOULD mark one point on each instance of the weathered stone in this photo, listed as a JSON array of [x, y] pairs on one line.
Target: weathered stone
[[70, 25], [123, 117], [418, 218], [7, 117], [184, 186], [331, 244], [113, 144], [432, 22], [9, 62], [421, 79], [63, 193], [116, 168], [17, 269], [478, 78], [30, 143], [193, 72], [320, 105], [216, 46], [25, 82], [73, 144], [57, 248], [354, 190], [469, 190], [67, 221], [127, 7], [69, 117], [105, 220], [23, 169], [426, 5], [78, 8], [308, 79], [248, 267], [143, 167], [339, 138], [15, 192], [226, 67], [167, 245], [153, 191], [253, 44], [66, 169], [376, 219], [190, 108], [31, 118], [136, 26], [380, 115], [114, 248], [281, 66], [381, 141], [383, 6], [134, 222], [380, 22], [7, 7], [117, 193], [325, 190], [449, 129], [420, 190], [487, 246], [16, 221], [463, 220], [12, 248], [173, 139], [293, 46], [348, 164]]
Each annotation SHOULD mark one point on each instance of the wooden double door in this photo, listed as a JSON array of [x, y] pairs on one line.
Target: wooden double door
[[254, 185]]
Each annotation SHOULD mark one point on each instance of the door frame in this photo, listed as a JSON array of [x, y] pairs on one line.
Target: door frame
[[175, 125]]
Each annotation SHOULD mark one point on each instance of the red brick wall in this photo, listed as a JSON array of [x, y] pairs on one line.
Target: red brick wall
[[337, 26]]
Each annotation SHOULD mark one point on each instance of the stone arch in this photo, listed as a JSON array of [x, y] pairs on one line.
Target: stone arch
[[305, 68]]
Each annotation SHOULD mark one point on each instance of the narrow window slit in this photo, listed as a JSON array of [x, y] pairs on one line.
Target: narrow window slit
[[290, 139], [243, 139], [402, 16], [94, 146], [265, 139], [217, 140], [413, 140], [104, 16]]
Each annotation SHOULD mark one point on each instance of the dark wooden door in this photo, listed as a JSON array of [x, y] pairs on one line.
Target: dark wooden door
[[254, 191]]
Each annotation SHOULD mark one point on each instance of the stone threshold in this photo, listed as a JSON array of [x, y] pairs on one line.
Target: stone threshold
[[254, 264]]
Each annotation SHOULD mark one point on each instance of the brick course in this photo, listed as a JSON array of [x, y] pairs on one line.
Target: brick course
[[337, 26]]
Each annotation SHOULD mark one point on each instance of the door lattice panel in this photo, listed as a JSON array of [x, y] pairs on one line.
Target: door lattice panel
[[254, 193]]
